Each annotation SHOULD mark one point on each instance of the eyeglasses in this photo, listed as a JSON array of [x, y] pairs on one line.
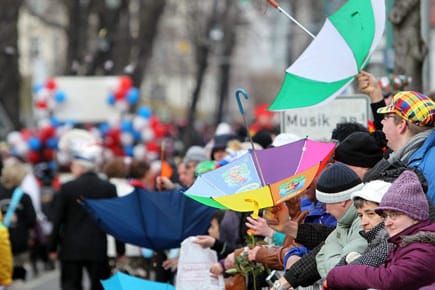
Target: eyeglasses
[[393, 215]]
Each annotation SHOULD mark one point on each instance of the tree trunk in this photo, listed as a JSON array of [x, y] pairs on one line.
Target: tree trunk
[[10, 79], [150, 11], [229, 22], [409, 47]]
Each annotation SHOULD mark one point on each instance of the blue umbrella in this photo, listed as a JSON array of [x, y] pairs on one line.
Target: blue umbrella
[[121, 281], [155, 220]]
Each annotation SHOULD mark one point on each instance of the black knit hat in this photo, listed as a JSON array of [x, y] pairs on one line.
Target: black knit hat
[[336, 184], [359, 149]]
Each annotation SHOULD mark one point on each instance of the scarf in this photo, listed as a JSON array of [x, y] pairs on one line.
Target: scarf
[[409, 148]]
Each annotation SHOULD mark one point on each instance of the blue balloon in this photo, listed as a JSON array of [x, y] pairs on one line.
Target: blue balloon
[[34, 143], [59, 96], [128, 150], [54, 122], [136, 135], [104, 128], [133, 96], [111, 99], [37, 88], [52, 143], [144, 112], [126, 126]]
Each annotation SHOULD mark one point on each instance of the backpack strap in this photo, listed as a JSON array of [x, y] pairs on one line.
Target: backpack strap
[[16, 197]]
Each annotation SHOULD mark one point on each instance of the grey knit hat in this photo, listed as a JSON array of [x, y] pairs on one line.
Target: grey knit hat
[[196, 154], [406, 195], [336, 184]]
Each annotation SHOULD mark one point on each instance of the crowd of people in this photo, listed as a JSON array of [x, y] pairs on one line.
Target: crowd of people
[[365, 222]]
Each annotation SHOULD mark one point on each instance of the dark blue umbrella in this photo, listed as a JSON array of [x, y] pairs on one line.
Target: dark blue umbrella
[[155, 220]]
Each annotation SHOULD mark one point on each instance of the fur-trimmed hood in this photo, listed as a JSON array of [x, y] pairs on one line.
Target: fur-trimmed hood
[[420, 237]]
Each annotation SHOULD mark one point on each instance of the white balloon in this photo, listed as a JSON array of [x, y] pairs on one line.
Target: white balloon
[[44, 123], [139, 152], [14, 137], [126, 138], [140, 123], [147, 134], [122, 106], [21, 148], [114, 120]]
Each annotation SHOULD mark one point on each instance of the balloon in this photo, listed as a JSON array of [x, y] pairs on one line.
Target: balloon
[[54, 122], [132, 96], [121, 106], [14, 137], [139, 123], [126, 126], [126, 138], [49, 154], [104, 128], [111, 99], [34, 143], [51, 84], [147, 134], [125, 83], [33, 156], [144, 112], [59, 96], [41, 105], [37, 88], [128, 150], [139, 152], [52, 142], [21, 148]]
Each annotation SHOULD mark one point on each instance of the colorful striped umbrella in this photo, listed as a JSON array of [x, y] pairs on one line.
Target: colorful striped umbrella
[[340, 50], [262, 178]]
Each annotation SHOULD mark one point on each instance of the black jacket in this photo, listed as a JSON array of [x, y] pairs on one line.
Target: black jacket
[[75, 233], [19, 230]]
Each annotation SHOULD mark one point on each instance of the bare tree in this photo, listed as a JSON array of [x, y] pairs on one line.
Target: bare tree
[[409, 47], [10, 79]]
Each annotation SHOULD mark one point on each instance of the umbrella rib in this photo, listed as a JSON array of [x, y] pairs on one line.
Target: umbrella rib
[[304, 149]]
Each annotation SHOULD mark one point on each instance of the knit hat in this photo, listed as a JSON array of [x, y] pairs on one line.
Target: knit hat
[[372, 191], [406, 195], [336, 184], [413, 107], [196, 154], [359, 149]]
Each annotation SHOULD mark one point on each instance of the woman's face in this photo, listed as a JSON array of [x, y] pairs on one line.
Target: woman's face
[[213, 230], [369, 218], [396, 221]]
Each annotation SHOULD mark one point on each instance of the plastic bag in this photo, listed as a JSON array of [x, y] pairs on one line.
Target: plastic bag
[[193, 268]]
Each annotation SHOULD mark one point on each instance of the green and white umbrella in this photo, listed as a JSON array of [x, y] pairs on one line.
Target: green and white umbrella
[[335, 56]]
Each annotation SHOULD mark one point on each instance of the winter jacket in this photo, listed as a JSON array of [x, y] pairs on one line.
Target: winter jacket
[[75, 232], [24, 221], [343, 240], [377, 250], [424, 159], [409, 264], [6, 262]]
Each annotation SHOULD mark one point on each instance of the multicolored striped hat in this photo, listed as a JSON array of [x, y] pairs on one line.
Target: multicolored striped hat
[[413, 107]]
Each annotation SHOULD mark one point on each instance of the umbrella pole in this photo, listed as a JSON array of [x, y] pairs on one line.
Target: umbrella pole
[[275, 4], [242, 112]]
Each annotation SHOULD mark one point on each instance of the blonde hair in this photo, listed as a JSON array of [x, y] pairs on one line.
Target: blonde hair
[[13, 173]]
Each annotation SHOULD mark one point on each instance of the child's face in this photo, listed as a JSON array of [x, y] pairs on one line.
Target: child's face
[[213, 230]]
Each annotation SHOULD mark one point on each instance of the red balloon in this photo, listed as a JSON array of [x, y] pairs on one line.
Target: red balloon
[[48, 154], [152, 146], [41, 104], [51, 84], [125, 83], [46, 133], [33, 157], [26, 134], [113, 137]]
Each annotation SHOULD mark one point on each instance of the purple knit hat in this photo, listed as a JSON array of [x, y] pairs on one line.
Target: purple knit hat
[[406, 195]]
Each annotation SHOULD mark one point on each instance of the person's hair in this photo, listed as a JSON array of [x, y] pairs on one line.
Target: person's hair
[[116, 168], [13, 173], [138, 169], [344, 129], [359, 202], [218, 215]]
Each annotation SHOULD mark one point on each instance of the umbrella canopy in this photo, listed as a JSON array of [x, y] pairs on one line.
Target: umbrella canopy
[[121, 281], [262, 178], [335, 56], [155, 220]]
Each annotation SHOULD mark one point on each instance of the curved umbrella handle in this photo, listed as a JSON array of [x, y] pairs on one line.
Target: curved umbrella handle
[[239, 103], [255, 207]]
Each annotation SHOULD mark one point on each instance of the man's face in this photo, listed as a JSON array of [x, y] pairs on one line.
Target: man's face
[[337, 209], [369, 218], [392, 130], [188, 176]]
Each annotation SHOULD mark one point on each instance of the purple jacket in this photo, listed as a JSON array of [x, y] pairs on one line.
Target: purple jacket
[[409, 264]]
